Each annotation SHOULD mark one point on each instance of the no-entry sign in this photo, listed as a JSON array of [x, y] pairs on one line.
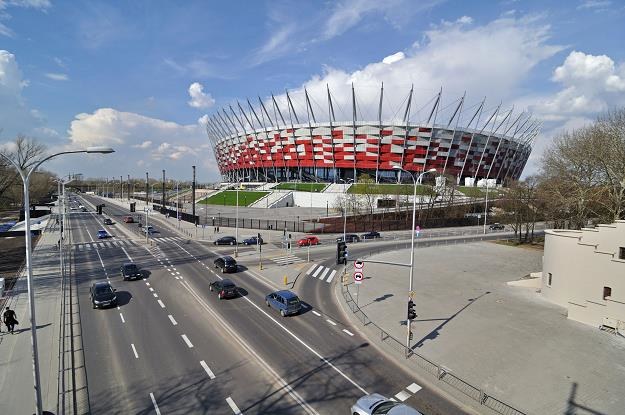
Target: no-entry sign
[[358, 276]]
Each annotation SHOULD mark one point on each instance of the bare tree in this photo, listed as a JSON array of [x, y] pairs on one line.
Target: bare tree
[[26, 152]]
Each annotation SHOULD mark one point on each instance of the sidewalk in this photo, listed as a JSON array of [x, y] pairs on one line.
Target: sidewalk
[[505, 341], [17, 395]]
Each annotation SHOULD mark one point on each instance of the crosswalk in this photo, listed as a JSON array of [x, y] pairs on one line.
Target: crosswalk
[[169, 239], [287, 259], [322, 273], [90, 246]]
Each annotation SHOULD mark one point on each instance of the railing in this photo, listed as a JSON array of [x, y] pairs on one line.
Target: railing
[[438, 371]]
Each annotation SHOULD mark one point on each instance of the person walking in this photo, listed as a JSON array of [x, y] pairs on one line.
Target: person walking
[[10, 319]]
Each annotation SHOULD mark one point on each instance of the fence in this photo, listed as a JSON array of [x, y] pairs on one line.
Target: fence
[[441, 373]]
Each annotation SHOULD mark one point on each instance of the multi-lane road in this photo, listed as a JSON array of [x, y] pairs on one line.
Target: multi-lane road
[[171, 346]]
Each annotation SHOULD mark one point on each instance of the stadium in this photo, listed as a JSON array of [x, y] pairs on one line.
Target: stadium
[[292, 137]]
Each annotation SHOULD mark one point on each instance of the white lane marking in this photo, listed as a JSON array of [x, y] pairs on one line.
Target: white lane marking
[[171, 318], [174, 268], [310, 269], [233, 406], [161, 304], [414, 388], [158, 411], [177, 273], [208, 370], [168, 270], [331, 276], [315, 313], [402, 396], [187, 341], [129, 258], [122, 317], [89, 233], [147, 283], [324, 274], [134, 350], [151, 289], [331, 322], [173, 274], [318, 271], [348, 332], [155, 295]]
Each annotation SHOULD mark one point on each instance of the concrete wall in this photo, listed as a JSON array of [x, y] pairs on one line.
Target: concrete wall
[[581, 264]]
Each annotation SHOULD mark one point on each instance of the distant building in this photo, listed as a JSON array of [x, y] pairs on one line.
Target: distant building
[[584, 271]]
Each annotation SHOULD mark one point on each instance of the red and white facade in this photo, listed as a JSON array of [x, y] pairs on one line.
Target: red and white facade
[[329, 151]]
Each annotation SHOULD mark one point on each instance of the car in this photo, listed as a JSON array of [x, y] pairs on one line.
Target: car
[[108, 221], [308, 240], [226, 264], [83, 209], [375, 404], [285, 301], [102, 295], [224, 288], [73, 208], [226, 240], [350, 237], [254, 240], [371, 235], [497, 226], [130, 271], [102, 234], [128, 219], [148, 229]]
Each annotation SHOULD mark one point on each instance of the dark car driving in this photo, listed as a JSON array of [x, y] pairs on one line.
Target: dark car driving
[[226, 240], [371, 235], [350, 237], [130, 271], [102, 295], [254, 240], [497, 227], [108, 221], [224, 288], [226, 264]]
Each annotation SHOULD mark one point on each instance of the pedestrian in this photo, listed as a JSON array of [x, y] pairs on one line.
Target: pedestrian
[[10, 319], [218, 229]]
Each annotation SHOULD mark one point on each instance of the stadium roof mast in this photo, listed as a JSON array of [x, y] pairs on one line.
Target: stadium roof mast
[[276, 111], [264, 126], [508, 128], [490, 134], [377, 165], [522, 141], [458, 111], [530, 137], [212, 138], [407, 121], [256, 143], [332, 119], [505, 156], [435, 113], [237, 138], [353, 130], [478, 114], [247, 160], [309, 113], [219, 133], [291, 115]]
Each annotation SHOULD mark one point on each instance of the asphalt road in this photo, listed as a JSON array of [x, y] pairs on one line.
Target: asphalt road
[[172, 345]]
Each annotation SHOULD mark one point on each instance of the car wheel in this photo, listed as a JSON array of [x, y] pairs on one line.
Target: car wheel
[[282, 313], [222, 270], [267, 302], [210, 288], [219, 296], [231, 243], [93, 304]]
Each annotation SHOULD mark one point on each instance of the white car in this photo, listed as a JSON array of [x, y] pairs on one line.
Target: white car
[[376, 404], [148, 229]]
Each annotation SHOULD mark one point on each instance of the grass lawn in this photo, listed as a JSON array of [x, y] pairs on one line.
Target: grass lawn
[[302, 187], [388, 189], [229, 198], [472, 191]]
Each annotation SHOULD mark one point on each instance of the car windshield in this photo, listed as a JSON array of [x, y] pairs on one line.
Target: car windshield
[[103, 289], [130, 268], [384, 408], [228, 286], [229, 261], [293, 301]]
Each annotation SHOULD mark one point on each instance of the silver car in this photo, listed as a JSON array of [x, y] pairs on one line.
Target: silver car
[[376, 404]]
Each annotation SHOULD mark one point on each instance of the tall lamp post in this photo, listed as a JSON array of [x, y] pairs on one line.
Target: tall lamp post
[[412, 232], [25, 175]]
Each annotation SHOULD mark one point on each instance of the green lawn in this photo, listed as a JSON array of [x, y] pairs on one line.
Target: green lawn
[[388, 189], [302, 187], [472, 191], [229, 198]]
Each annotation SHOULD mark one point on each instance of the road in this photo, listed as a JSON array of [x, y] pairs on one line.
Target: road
[[173, 347]]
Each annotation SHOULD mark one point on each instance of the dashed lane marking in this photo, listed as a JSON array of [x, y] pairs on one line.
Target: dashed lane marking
[[316, 313], [402, 396], [173, 321], [414, 388], [122, 317], [158, 411], [233, 406], [331, 322], [134, 350], [209, 372], [161, 304], [187, 341], [348, 332]]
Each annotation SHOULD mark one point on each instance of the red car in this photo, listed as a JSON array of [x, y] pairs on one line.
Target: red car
[[308, 240]]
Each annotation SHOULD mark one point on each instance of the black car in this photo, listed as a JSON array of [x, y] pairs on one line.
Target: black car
[[371, 235], [497, 227], [254, 240], [107, 221], [226, 240], [224, 288], [226, 264], [350, 237], [102, 295], [130, 271]]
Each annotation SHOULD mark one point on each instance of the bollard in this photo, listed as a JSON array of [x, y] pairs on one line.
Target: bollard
[[286, 280]]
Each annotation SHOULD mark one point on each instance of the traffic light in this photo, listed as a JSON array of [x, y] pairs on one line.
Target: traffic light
[[133, 207], [341, 249], [412, 314]]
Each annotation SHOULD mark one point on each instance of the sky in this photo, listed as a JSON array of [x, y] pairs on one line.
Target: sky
[[142, 76]]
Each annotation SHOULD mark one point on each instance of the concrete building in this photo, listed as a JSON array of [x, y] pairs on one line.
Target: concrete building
[[584, 271]]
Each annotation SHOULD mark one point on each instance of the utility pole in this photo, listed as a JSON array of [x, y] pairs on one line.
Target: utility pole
[[163, 195], [128, 188], [147, 187], [193, 194]]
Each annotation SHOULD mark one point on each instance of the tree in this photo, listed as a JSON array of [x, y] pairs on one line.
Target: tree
[[522, 205], [26, 152]]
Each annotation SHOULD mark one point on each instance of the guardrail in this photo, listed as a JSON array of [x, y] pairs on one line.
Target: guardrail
[[441, 373]]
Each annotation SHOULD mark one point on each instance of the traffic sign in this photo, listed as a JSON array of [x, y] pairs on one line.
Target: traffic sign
[[359, 265], [358, 277]]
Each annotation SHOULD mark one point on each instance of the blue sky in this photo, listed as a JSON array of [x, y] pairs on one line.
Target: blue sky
[[140, 75]]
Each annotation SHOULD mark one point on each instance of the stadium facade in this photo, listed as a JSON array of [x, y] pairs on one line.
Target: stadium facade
[[271, 141]]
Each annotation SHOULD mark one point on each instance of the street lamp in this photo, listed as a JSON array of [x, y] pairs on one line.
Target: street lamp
[[412, 232], [25, 175]]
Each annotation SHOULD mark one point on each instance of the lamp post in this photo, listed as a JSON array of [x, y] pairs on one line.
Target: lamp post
[[486, 207], [412, 232], [236, 224], [25, 175]]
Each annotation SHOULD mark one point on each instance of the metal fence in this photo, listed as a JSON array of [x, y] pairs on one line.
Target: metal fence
[[441, 373]]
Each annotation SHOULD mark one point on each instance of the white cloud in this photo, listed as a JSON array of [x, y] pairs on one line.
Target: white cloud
[[57, 76], [199, 99], [144, 145], [41, 5], [281, 41], [594, 5], [396, 57]]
